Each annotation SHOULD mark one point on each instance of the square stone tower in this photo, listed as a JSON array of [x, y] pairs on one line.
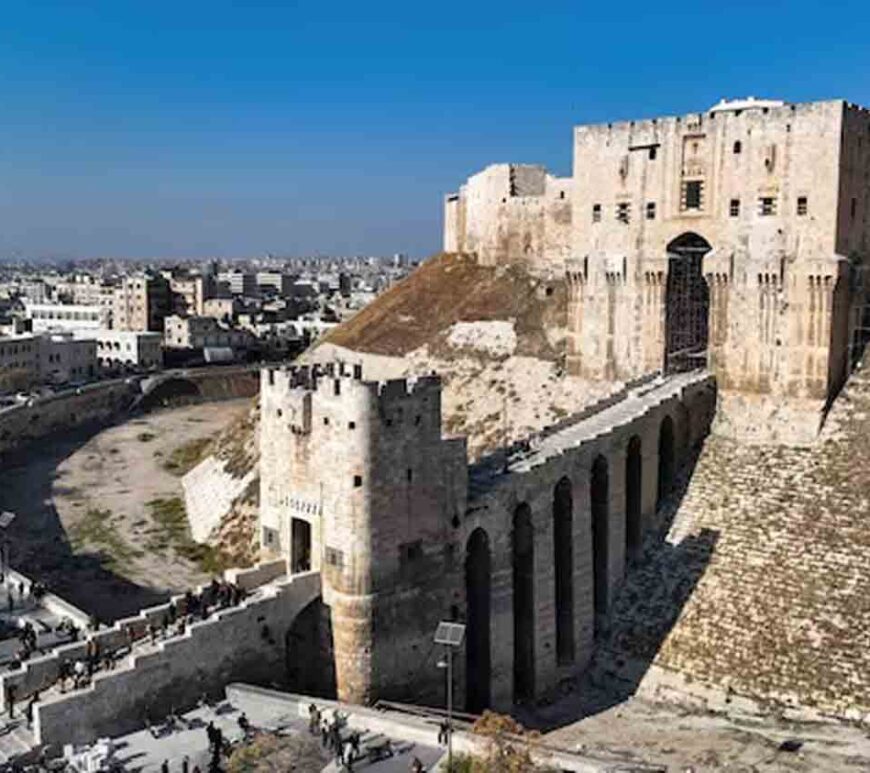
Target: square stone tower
[[730, 239], [357, 482]]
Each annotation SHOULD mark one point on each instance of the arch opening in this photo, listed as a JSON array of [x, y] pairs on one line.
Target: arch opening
[[599, 495], [667, 460], [633, 489], [478, 580], [563, 545], [523, 544], [687, 305]]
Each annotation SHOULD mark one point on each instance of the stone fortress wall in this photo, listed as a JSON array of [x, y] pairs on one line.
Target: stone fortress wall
[[357, 481], [508, 212], [246, 642], [776, 197]]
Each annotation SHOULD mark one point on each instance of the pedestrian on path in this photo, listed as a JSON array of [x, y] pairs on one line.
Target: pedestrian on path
[[10, 700]]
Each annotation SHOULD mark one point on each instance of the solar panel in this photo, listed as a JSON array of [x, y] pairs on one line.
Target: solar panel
[[450, 634]]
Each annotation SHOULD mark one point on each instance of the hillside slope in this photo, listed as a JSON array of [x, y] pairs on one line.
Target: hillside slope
[[447, 288]]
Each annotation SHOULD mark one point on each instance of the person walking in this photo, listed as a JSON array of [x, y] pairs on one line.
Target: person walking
[[10, 700], [164, 768]]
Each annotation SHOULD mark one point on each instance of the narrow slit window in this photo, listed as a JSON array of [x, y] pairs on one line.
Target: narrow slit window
[[734, 208], [623, 212], [357, 481], [802, 205], [650, 210], [596, 213], [738, 148]]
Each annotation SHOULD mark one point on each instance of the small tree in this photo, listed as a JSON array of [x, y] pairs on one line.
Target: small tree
[[507, 747]]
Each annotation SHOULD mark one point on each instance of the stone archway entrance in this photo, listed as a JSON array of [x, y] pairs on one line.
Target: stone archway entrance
[[477, 645], [687, 305], [300, 541]]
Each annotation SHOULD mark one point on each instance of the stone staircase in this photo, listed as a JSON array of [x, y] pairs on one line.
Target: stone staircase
[[757, 578], [15, 740]]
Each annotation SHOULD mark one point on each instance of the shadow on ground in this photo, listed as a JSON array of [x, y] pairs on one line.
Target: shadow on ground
[[39, 546], [658, 584]]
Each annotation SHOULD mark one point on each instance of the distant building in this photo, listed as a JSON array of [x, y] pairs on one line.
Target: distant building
[[63, 358], [124, 350], [238, 283], [275, 281], [141, 303], [189, 293], [65, 316], [221, 308], [201, 332], [19, 362]]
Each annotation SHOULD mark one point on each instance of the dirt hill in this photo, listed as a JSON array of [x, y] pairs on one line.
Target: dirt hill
[[420, 310]]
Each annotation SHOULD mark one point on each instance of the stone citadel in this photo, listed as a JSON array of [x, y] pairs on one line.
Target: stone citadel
[[733, 239], [712, 272]]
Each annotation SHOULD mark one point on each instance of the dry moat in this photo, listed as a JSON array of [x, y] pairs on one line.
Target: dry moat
[[101, 517]]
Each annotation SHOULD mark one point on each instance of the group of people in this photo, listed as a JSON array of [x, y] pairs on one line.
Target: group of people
[[11, 691], [35, 590], [347, 749]]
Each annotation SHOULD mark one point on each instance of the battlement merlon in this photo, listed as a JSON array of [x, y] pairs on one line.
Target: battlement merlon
[[771, 111]]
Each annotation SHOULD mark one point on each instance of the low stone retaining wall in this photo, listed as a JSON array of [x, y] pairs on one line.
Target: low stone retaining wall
[[242, 642], [21, 424], [416, 729]]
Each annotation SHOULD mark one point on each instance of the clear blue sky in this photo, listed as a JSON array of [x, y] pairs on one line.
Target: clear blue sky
[[196, 129]]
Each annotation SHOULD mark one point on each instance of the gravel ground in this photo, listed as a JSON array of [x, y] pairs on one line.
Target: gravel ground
[[84, 525]]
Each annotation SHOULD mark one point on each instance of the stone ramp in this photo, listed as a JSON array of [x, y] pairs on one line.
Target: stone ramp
[[762, 583]]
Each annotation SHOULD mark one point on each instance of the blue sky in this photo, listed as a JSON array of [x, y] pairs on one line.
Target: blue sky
[[235, 129]]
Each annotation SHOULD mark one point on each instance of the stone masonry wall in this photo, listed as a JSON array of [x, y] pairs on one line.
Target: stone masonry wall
[[244, 642], [779, 608]]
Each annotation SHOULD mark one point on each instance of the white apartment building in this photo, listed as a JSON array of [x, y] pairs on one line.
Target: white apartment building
[[201, 332], [48, 317], [126, 350]]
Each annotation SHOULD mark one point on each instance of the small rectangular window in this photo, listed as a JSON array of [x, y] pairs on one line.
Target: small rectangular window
[[766, 206], [351, 425], [693, 194], [802, 205], [853, 208], [334, 557], [652, 153], [734, 208], [650, 210], [357, 481], [409, 475], [596, 213], [623, 212], [325, 421]]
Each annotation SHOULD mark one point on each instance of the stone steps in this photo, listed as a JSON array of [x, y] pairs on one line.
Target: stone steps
[[757, 577], [16, 740]]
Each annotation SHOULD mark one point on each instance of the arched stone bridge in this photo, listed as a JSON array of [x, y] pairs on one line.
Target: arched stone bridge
[[547, 537]]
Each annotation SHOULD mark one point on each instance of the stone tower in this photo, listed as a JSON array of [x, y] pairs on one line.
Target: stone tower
[[358, 483]]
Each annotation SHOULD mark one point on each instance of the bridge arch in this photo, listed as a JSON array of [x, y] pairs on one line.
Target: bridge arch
[[563, 555], [633, 496], [478, 657], [599, 498], [523, 555], [169, 390], [667, 459]]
